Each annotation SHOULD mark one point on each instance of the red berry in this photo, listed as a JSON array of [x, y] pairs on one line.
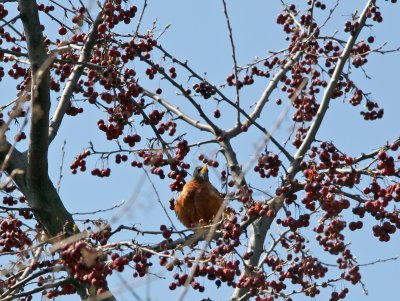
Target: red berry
[[102, 28], [62, 31]]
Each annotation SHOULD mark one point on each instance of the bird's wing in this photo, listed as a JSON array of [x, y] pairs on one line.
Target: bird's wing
[[215, 191], [207, 202]]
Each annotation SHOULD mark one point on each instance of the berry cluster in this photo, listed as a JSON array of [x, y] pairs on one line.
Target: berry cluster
[[260, 209], [353, 226], [330, 235], [302, 221], [101, 172], [114, 14], [207, 161], [373, 112], [102, 236], [3, 11], [223, 271], [268, 165], [172, 72], [230, 237], [73, 111], [131, 140], [178, 176], [155, 117], [169, 126], [86, 264], [120, 158], [374, 13], [152, 71], [141, 263], [65, 289], [113, 131], [257, 282], [383, 231], [80, 162], [359, 52], [12, 237], [166, 233], [17, 71], [247, 79], [180, 280], [9, 201], [204, 89], [386, 164]]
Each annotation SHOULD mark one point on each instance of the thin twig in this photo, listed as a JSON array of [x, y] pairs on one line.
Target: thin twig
[[100, 210], [61, 165], [235, 66], [141, 16], [159, 199]]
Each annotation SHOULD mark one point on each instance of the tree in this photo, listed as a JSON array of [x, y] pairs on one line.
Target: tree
[[97, 61]]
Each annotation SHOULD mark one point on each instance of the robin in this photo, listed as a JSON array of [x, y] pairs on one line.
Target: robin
[[199, 201]]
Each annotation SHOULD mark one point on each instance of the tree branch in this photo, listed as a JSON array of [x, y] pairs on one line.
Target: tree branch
[[272, 85], [73, 79], [11, 161], [37, 185], [40, 93], [178, 112]]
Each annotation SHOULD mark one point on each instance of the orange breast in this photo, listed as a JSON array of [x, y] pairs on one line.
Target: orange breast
[[197, 204]]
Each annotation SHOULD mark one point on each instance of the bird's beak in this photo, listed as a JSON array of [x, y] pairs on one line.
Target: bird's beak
[[205, 168]]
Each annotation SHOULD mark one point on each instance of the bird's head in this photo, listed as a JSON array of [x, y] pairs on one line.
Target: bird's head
[[201, 173]]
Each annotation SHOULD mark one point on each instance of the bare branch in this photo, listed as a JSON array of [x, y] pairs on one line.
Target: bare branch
[[73, 79], [379, 261], [141, 16], [272, 85], [178, 112], [100, 210], [61, 166], [373, 153]]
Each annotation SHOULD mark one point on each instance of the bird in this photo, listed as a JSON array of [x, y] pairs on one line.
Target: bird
[[199, 202]]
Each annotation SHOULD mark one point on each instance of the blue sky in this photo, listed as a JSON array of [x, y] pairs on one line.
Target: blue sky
[[198, 33]]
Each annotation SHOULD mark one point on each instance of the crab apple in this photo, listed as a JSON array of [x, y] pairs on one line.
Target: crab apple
[[62, 31], [102, 28]]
